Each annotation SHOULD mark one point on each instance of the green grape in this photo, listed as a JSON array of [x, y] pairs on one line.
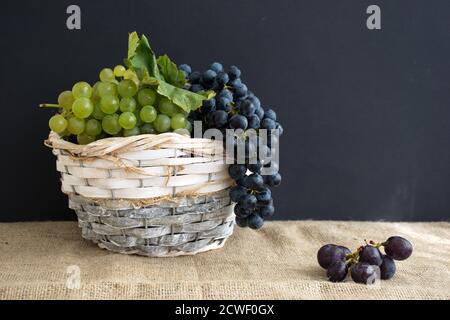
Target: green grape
[[178, 121], [109, 104], [127, 88], [93, 127], [147, 129], [107, 89], [75, 125], [148, 114], [182, 131], [146, 97], [84, 138], [95, 95], [98, 113], [127, 104], [188, 126], [131, 132], [82, 108], [57, 123], [166, 107], [127, 120], [107, 75], [110, 124], [65, 99], [162, 123], [119, 70], [81, 90]]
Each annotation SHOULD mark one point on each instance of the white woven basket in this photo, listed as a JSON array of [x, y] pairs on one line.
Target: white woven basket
[[154, 195]]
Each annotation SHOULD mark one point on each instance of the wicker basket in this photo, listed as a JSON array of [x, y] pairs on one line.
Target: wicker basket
[[154, 195]]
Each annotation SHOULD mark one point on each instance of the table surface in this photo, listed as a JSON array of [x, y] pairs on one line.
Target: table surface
[[42, 260]]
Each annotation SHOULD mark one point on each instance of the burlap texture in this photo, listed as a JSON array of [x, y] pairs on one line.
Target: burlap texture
[[278, 262]]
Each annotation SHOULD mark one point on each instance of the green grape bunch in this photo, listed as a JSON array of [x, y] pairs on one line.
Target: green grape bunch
[[115, 106], [126, 101]]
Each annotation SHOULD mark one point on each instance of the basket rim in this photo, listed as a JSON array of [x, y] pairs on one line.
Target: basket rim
[[117, 145]]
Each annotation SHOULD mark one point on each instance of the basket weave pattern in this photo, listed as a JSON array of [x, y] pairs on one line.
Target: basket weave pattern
[[153, 195]]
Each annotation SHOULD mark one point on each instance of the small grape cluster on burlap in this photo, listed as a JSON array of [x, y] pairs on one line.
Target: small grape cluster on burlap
[[367, 263]]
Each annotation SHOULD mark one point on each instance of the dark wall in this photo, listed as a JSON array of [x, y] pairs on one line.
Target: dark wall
[[366, 113]]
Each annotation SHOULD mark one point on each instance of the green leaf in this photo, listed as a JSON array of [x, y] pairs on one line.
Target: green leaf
[[141, 57], [209, 94], [133, 41], [170, 72], [168, 82], [185, 99]]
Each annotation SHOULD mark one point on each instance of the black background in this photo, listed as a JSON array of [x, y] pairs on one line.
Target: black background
[[366, 113]]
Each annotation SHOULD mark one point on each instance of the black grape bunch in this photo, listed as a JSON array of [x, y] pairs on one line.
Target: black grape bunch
[[367, 263], [234, 106]]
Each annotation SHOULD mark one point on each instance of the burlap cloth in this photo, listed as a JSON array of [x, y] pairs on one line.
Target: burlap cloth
[[278, 262]]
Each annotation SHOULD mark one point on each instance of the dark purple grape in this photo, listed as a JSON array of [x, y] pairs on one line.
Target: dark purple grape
[[240, 91], [238, 122], [247, 108], [255, 221], [273, 180], [330, 253], [254, 181], [209, 104], [255, 100], [237, 192], [220, 118], [185, 68], [266, 211], [268, 124], [223, 103], [234, 72], [194, 77], [237, 171], [387, 268], [241, 212], [371, 255], [216, 67], [241, 222], [337, 271], [264, 196], [248, 201], [362, 272], [345, 250], [270, 114], [222, 78], [253, 121], [259, 112], [398, 248], [208, 76], [225, 93]]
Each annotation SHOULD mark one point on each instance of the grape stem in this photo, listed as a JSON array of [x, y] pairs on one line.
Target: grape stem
[[49, 105], [352, 258]]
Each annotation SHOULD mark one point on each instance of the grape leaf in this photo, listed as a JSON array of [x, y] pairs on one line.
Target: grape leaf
[[185, 99], [170, 72], [133, 41], [141, 57], [168, 82], [209, 94]]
